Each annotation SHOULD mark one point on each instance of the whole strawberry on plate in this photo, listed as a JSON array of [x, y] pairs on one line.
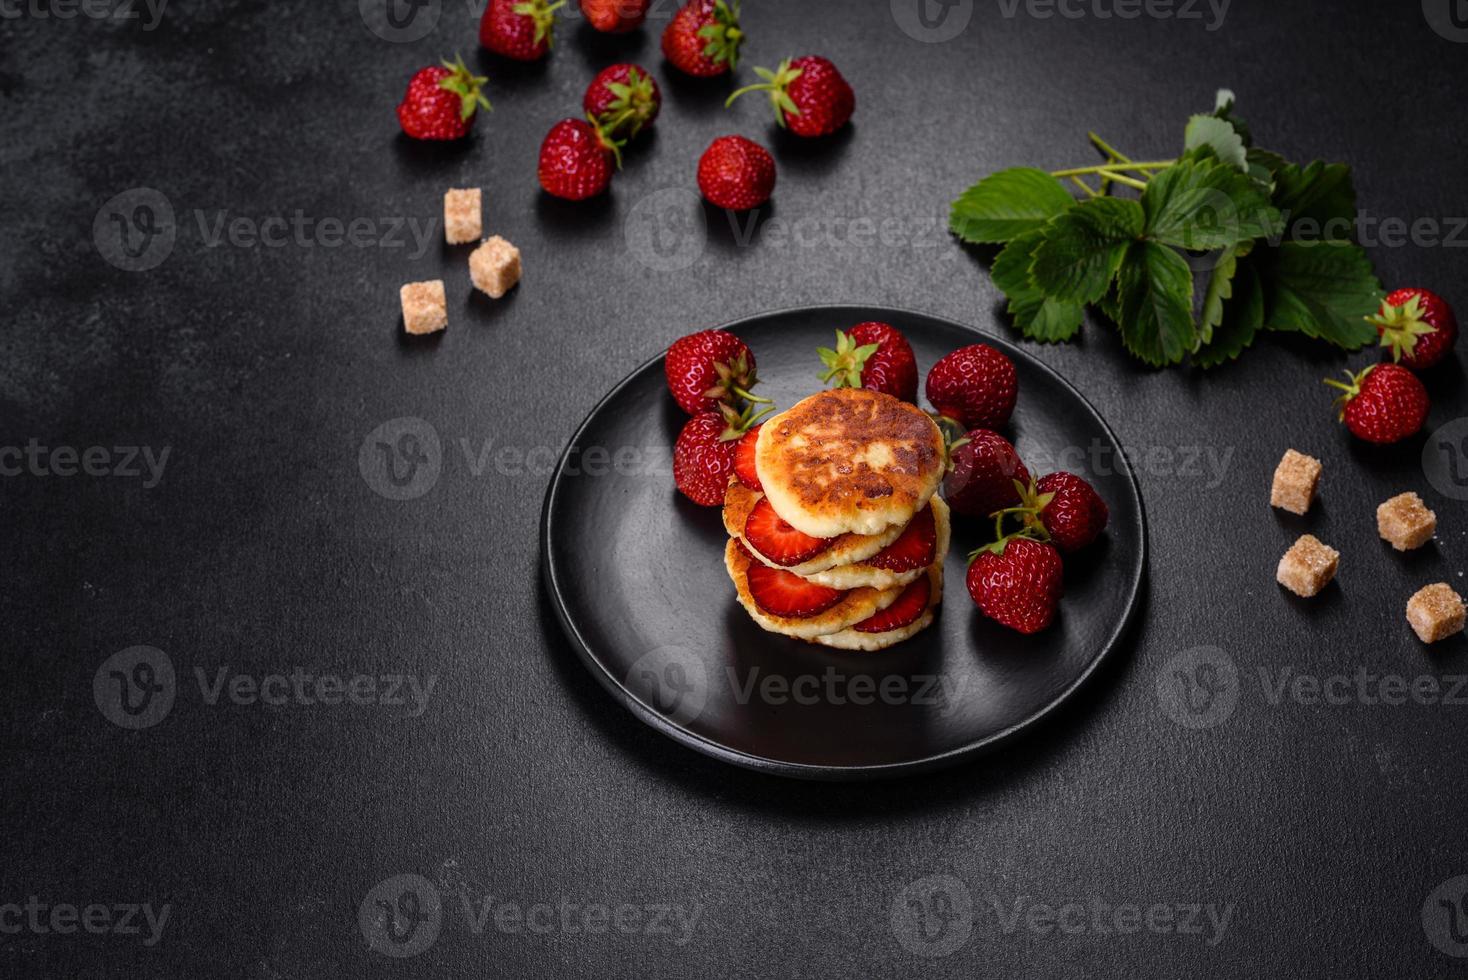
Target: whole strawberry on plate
[[875, 356], [703, 38], [1383, 404], [1017, 582], [736, 173], [810, 96], [577, 160], [442, 102], [975, 386], [519, 29], [1419, 327], [985, 474], [710, 368], [1069, 509], [624, 99], [615, 16], [703, 456]]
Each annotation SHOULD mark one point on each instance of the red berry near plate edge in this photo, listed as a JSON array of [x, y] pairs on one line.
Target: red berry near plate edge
[[874, 356], [736, 173]]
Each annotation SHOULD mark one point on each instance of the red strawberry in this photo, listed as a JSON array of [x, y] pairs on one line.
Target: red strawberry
[[985, 467], [623, 99], [1384, 403], [874, 356], [703, 38], [785, 594], [441, 102], [1419, 327], [1017, 583], [908, 608], [976, 386], [809, 95], [736, 173], [915, 547], [744, 460], [615, 16], [1074, 515], [519, 29], [703, 456], [768, 534], [576, 160], [709, 367]]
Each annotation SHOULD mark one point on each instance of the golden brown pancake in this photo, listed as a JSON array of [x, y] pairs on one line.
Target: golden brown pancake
[[855, 606], [847, 549], [849, 461], [851, 639], [860, 573]]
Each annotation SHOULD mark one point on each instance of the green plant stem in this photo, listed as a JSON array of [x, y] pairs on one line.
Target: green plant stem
[[1107, 168], [1090, 191], [1108, 149]]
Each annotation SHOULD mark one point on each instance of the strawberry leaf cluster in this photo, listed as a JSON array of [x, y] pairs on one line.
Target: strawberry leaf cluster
[[1219, 244]]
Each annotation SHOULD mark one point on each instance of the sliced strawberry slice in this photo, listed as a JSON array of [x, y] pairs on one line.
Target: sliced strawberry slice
[[744, 459], [915, 548], [909, 606], [778, 541], [782, 593]]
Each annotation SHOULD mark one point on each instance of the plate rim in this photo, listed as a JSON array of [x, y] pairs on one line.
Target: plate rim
[[807, 771]]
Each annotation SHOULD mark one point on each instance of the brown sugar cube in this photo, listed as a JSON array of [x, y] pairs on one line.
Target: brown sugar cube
[[1435, 613], [1308, 566], [425, 307], [495, 267], [1406, 522], [463, 216], [1295, 480]]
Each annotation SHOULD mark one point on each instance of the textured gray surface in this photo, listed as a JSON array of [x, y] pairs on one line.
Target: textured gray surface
[[263, 370]]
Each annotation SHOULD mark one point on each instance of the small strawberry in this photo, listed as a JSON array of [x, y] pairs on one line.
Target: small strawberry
[[1419, 327], [736, 173], [1017, 582], [1384, 403], [1073, 513], [615, 16], [874, 356], [744, 467], [709, 367], [441, 102], [703, 38], [908, 609], [785, 594], [809, 95], [767, 533], [984, 472], [519, 29], [915, 547], [976, 386], [703, 455], [623, 99], [577, 160]]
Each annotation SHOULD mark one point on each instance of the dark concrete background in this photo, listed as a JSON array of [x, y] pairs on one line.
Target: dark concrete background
[[1325, 829]]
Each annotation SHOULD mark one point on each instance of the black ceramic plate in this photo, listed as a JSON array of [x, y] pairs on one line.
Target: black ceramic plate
[[636, 574]]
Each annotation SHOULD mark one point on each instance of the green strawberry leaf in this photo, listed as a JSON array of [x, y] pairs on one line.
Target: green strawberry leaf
[[1220, 290], [1224, 109], [1242, 317], [1156, 290], [1220, 136], [1318, 200], [1037, 316], [1324, 290], [1201, 204], [1083, 248], [1007, 204]]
